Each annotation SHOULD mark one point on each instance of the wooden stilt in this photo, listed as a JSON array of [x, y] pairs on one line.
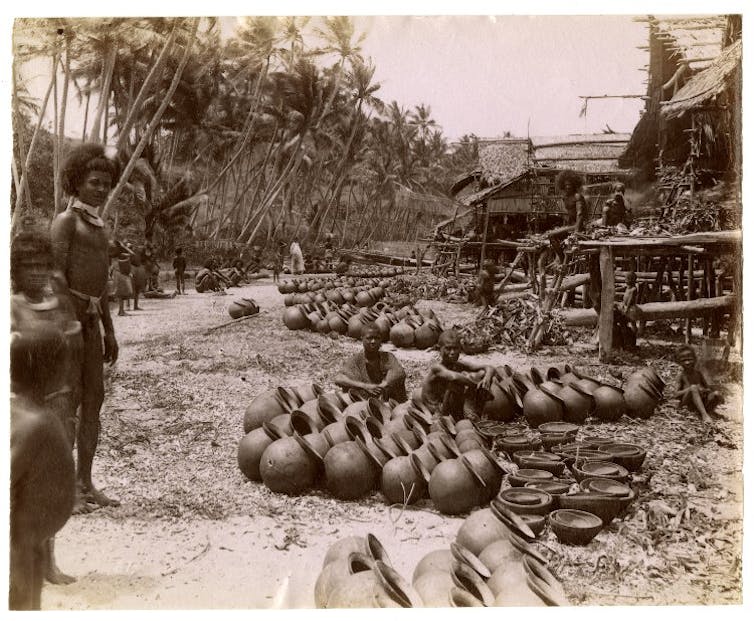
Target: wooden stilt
[[607, 303], [689, 294]]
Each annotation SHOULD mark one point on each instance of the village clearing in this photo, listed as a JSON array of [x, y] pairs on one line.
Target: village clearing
[[192, 532]]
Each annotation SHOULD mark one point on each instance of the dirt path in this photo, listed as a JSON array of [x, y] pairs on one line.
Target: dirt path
[[193, 533]]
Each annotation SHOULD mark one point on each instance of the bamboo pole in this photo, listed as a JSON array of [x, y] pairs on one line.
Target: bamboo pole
[[607, 269]]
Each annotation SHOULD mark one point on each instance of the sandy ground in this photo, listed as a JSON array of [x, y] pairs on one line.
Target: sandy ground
[[193, 533]]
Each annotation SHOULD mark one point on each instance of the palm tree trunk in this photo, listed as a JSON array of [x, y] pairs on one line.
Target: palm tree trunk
[[55, 139], [107, 74], [61, 133], [152, 124], [156, 70], [86, 115]]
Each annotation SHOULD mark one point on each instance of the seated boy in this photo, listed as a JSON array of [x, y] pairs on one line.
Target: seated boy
[[371, 372], [454, 387], [694, 390]]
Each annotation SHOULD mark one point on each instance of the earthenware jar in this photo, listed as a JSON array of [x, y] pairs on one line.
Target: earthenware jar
[[350, 473], [455, 486], [295, 318], [609, 404], [266, 406], [542, 406], [577, 404], [403, 481], [641, 399], [251, 448], [286, 467], [479, 530]]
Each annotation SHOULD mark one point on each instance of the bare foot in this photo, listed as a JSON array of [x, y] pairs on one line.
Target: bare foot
[[138, 308], [122, 314], [98, 498], [55, 576], [83, 505]]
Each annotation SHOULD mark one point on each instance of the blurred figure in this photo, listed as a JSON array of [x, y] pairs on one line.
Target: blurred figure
[[297, 257], [179, 266]]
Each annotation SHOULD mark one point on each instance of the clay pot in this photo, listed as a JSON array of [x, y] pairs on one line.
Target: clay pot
[[402, 334], [574, 527], [542, 406], [434, 588], [349, 471], [304, 423], [426, 335], [294, 318], [355, 325], [283, 423], [640, 399], [436, 560], [242, 308], [502, 406], [347, 583], [630, 456], [455, 486], [336, 433], [520, 442], [604, 469], [525, 500], [609, 404], [251, 448], [402, 481], [488, 468], [527, 475], [577, 404], [466, 578], [428, 457], [479, 530], [266, 406], [285, 467]]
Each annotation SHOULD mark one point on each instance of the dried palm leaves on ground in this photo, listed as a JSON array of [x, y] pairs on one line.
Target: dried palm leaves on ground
[[510, 324], [428, 286]]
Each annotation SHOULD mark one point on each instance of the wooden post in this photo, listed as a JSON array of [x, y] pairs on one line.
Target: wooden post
[[689, 291], [607, 269], [484, 237]]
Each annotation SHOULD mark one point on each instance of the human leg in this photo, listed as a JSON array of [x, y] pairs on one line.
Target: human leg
[[121, 312], [93, 393], [693, 400]]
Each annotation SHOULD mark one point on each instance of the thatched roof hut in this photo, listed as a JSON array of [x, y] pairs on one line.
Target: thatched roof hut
[[706, 86], [504, 159], [586, 153]]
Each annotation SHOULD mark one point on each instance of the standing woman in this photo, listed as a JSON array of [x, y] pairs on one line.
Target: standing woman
[[81, 259], [297, 257]]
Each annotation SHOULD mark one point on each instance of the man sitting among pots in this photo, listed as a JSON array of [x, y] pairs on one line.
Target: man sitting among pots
[[453, 387], [372, 372]]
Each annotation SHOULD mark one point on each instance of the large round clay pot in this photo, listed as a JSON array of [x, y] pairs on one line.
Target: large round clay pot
[[436, 560], [502, 405], [266, 406], [542, 406], [307, 392], [479, 530], [304, 423], [509, 584], [500, 552], [338, 570], [242, 308], [455, 487], [577, 404], [384, 325], [427, 457], [294, 318], [285, 467], [402, 483], [640, 400], [426, 335], [343, 547], [283, 424], [402, 334], [251, 448], [466, 578], [609, 404], [355, 325], [336, 433], [488, 468], [434, 588], [349, 472], [338, 323]]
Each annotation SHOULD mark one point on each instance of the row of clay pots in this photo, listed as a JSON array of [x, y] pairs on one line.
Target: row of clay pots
[[369, 271], [404, 327], [360, 296], [563, 394], [325, 284]]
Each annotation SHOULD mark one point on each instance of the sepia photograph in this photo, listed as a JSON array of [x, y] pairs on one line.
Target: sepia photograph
[[375, 311]]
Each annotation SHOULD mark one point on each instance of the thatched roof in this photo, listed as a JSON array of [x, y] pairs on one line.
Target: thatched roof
[[478, 197], [590, 153], [504, 159], [694, 38], [706, 85]]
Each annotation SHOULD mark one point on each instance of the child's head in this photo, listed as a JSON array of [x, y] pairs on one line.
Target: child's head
[[686, 357], [631, 278], [450, 346], [31, 260], [89, 174]]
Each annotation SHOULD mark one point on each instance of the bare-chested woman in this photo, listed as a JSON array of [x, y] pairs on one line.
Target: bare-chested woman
[[82, 257]]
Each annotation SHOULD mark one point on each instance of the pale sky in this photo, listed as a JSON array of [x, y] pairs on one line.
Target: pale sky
[[488, 75]]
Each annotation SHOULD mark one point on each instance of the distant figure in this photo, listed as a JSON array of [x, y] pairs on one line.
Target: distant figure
[[453, 387], [342, 267], [278, 261], [139, 279], [123, 283], [179, 265], [574, 203], [207, 279], [371, 372], [486, 284], [694, 387], [297, 257]]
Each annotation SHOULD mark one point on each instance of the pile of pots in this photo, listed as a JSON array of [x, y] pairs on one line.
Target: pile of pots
[[404, 327], [296, 438], [324, 284], [491, 563], [364, 295], [374, 271], [564, 394]]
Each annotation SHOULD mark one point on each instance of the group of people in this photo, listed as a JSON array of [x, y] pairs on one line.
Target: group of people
[[62, 336]]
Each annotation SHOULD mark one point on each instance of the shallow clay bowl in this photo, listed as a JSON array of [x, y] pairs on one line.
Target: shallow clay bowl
[[535, 522], [630, 456], [552, 440], [602, 469], [582, 455], [538, 455], [525, 475], [555, 467], [511, 444], [574, 527], [559, 427], [600, 485], [527, 500], [626, 502], [607, 508], [555, 488], [597, 441]]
